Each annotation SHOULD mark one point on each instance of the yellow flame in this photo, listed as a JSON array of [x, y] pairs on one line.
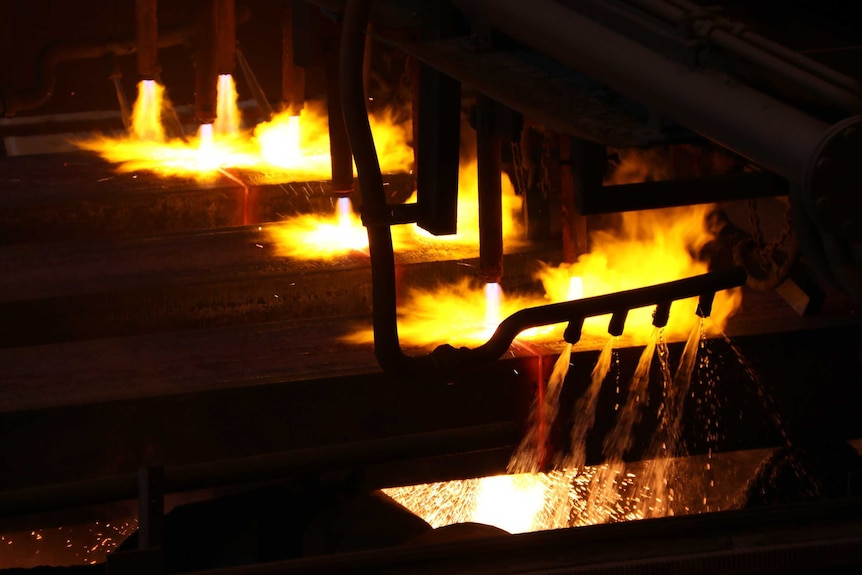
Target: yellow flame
[[646, 248], [650, 248], [287, 148], [147, 112], [293, 235], [227, 112], [412, 237], [311, 236]]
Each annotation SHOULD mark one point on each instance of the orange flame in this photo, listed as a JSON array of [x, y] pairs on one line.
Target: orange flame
[[650, 247], [287, 148], [147, 112], [313, 236]]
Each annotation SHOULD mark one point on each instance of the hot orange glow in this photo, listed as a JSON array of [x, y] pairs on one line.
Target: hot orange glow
[[524, 497], [287, 148], [312, 236], [515, 503], [147, 112], [412, 237], [650, 248]]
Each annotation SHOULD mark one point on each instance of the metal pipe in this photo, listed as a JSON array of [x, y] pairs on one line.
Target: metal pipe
[[147, 34], [820, 81], [615, 198], [387, 348], [708, 102], [490, 192], [818, 88], [225, 36], [446, 361], [206, 71], [450, 360], [800, 60], [340, 153], [292, 76]]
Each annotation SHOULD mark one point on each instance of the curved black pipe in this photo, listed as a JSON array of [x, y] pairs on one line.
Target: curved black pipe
[[450, 359], [446, 361], [375, 212]]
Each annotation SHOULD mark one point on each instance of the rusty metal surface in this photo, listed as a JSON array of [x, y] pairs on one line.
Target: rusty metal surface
[[58, 292], [79, 196]]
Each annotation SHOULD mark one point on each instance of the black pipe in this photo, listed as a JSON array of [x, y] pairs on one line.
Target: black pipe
[[292, 76], [446, 361], [225, 36], [340, 153], [450, 360], [206, 70], [375, 212], [490, 192], [755, 125], [147, 33]]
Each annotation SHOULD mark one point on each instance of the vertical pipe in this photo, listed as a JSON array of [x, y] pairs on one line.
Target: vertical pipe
[[490, 191], [387, 348], [574, 224], [437, 129], [292, 76], [206, 74], [147, 35], [341, 156], [225, 36]]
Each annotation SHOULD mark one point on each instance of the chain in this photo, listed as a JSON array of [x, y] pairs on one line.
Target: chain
[[766, 269], [757, 234], [754, 222], [788, 229]]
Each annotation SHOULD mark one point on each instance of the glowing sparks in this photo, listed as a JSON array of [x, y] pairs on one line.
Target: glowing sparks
[[316, 231], [510, 502], [515, 503], [311, 236]]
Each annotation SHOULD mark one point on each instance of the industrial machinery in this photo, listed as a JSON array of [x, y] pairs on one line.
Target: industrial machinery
[[159, 350]]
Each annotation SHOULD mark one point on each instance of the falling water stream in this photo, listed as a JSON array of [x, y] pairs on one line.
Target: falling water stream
[[585, 408], [655, 481], [531, 454], [578, 495]]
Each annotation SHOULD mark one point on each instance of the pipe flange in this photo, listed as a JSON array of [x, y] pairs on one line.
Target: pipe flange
[[828, 206]]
